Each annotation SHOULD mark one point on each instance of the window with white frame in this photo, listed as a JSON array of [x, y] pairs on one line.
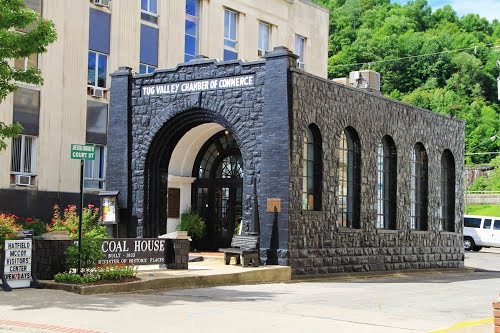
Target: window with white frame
[[97, 69], [230, 35], [23, 158], [191, 29], [300, 43], [149, 11], [30, 61], [94, 171], [264, 33], [146, 69]]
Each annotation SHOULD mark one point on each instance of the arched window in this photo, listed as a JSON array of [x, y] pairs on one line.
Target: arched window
[[312, 169], [447, 191], [349, 155], [387, 162], [419, 188]]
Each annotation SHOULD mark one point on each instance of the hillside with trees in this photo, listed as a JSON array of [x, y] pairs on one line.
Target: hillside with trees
[[432, 59]]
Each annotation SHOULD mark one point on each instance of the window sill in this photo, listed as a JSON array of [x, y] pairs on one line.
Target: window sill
[[345, 229], [419, 232], [312, 212], [448, 233], [387, 231]]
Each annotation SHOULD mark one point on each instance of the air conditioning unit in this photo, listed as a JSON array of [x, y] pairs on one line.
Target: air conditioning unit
[[262, 53], [103, 3], [23, 180], [300, 65], [365, 80], [97, 92]]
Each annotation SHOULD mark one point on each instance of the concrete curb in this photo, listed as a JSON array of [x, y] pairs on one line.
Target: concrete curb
[[252, 276], [362, 275]]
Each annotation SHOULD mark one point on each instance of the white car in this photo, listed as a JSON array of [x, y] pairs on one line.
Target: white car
[[481, 231]]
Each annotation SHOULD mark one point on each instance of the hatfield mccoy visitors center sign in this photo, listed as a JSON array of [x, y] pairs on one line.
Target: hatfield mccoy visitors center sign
[[130, 251], [17, 264]]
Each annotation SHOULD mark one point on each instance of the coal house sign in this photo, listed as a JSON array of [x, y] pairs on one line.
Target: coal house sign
[[134, 251]]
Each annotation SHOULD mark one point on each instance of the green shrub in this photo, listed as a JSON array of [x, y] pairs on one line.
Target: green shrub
[[193, 224], [92, 232], [38, 226], [75, 278], [114, 272], [9, 229], [91, 253]]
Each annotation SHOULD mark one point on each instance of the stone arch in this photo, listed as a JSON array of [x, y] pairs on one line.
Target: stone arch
[[160, 141]]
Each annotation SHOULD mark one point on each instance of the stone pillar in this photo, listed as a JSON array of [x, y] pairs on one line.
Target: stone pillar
[[118, 147], [48, 254], [275, 177]]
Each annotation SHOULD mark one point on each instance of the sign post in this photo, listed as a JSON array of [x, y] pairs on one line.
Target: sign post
[[82, 153]]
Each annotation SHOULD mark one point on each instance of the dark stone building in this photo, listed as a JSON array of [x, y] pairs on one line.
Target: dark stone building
[[364, 183]]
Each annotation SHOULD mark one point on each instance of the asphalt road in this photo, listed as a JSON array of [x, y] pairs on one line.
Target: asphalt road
[[401, 303]]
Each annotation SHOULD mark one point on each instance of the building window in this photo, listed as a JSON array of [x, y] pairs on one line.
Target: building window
[[230, 32], [26, 110], [94, 171], [97, 70], [30, 61], [386, 184], [312, 169], [149, 11], [35, 5], [23, 159], [349, 192], [148, 56], [264, 33], [146, 69], [447, 192], [191, 33], [300, 44], [419, 188], [97, 122]]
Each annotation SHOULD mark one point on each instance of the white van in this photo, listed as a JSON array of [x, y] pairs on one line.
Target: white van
[[481, 231]]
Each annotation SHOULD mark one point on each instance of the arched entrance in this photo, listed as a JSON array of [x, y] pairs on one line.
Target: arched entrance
[[217, 191]]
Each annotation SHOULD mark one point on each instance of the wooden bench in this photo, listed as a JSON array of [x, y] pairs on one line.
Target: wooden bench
[[244, 249]]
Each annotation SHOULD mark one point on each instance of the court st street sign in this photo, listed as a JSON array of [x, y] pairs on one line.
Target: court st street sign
[[83, 152]]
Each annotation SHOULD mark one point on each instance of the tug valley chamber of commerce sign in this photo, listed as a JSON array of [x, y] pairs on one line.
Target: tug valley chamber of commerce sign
[[199, 85]]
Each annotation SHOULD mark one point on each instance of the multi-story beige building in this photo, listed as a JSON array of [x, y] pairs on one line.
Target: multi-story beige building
[[96, 37]]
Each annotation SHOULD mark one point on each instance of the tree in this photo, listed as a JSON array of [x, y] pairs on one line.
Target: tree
[[431, 59], [22, 33]]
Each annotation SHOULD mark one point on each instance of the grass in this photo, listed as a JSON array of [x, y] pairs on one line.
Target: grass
[[485, 210]]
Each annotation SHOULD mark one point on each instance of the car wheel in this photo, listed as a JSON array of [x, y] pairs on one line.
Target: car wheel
[[477, 248], [469, 244]]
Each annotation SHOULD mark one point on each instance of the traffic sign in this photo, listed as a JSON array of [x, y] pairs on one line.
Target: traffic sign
[[83, 152]]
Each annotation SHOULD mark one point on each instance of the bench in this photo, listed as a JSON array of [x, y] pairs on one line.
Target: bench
[[245, 249]]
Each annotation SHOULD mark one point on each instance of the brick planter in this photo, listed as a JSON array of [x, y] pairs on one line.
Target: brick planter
[[496, 315]]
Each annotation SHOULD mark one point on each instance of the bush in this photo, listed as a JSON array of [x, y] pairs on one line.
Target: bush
[[114, 272], [92, 232], [9, 229], [38, 226], [69, 221], [193, 224]]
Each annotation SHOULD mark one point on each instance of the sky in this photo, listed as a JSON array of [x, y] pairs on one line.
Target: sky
[[485, 8]]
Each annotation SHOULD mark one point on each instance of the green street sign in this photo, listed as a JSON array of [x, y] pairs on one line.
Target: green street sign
[[83, 152]]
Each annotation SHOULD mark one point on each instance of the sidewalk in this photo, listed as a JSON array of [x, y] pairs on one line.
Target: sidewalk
[[207, 273]]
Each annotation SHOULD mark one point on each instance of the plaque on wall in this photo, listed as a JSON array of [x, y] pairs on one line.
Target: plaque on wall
[[273, 205]]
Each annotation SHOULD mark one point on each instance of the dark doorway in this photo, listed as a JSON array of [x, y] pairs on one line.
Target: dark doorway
[[218, 189]]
